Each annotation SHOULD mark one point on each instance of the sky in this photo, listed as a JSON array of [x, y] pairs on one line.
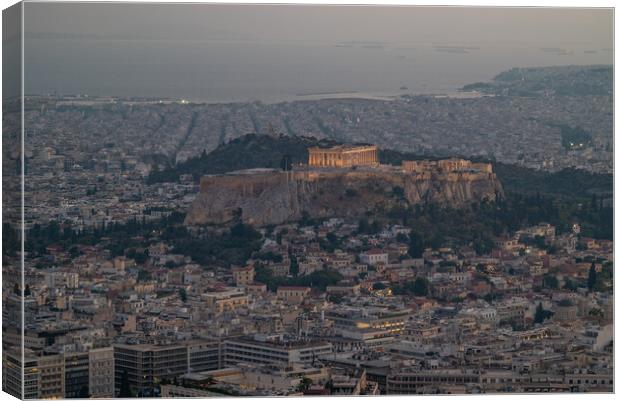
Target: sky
[[244, 52]]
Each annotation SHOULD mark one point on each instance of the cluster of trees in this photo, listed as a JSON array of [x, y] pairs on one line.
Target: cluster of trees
[[248, 151], [567, 183], [420, 287], [319, 279], [233, 247], [434, 226], [118, 237], [541, 314], [573, 137], [365, 227]]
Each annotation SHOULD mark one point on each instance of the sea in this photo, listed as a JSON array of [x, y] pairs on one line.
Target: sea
[[270, 72]]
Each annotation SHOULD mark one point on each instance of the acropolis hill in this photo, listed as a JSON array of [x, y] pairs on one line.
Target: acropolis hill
[[341, 181]]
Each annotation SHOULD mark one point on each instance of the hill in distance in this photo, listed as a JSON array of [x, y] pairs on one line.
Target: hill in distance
[[264, 151], [572, 80]]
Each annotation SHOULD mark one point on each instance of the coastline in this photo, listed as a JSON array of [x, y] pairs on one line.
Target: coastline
[[87, 100]]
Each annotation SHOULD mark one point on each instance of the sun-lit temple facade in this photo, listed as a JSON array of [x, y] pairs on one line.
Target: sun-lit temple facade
[[343, 156]]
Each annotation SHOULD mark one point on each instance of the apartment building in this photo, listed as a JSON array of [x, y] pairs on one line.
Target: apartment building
[[225, 300], [101, 373]]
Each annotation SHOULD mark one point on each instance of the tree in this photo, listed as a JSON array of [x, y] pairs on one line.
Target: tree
[[570, 285], [398, 192], [183, 295], [539, 316], [363, 226], [550, 281], [375, 227], [416, 245], [285, 163], [27, 291], [304, 384], [294, 266], [420, 287], [74, 252], [305, 219], [237, 216], [592, 277], [140, 257], [595, 312], [378, 286]]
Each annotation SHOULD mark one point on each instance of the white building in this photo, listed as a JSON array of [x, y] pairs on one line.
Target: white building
[[374, 257]]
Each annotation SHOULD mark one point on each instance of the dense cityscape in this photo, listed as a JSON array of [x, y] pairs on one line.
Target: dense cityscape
[[456, 243], [123, 299]]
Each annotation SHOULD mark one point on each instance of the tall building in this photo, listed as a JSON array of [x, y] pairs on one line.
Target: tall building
[[76, 375], [12, 373], [63, 375], [51, 376], [101, 373], [343, 156], [147, 364], [204, 355]]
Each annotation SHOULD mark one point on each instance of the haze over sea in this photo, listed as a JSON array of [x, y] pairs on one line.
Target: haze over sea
[[270, 72], [224, 53]]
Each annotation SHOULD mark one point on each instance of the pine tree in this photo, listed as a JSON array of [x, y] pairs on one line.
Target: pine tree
[[592, 277], [539, 316], [416, 245], [286, 163]]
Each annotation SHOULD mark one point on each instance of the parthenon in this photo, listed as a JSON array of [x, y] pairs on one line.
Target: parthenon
[[343, 156]]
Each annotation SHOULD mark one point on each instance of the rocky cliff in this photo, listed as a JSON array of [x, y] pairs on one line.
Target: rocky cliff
[[266, 196]]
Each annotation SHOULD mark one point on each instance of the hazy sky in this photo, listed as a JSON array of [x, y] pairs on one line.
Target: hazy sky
[[108, 48], [324, 23]]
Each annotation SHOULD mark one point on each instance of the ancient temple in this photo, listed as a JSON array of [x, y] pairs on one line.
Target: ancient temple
[[343, 156]]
